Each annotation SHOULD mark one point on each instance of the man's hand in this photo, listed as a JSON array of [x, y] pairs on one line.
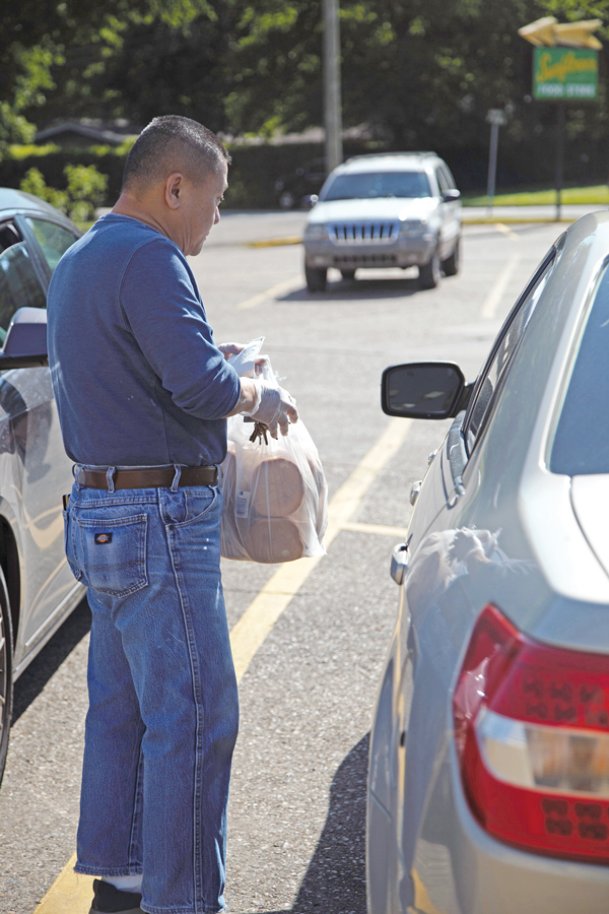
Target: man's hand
[[228, 349], [253, 368], [276, 408]]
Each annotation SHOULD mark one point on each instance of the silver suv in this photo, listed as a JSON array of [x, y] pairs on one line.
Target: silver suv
[[385, 210]]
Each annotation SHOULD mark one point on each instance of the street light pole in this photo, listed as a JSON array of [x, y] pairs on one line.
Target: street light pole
[[332, 87]]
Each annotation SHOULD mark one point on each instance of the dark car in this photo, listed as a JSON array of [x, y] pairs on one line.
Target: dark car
[[294, 189], [37, 589]]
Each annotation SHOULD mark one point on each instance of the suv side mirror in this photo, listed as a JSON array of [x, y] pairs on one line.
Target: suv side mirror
[[310, 200], [25, 344], [450, 196], [424, 390]]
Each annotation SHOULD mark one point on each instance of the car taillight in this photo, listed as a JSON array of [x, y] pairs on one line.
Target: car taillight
[[532, 734]]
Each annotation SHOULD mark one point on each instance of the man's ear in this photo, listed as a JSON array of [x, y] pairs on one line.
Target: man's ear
[[174, 186]]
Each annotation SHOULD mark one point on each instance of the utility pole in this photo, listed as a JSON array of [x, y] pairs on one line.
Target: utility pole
[[332, 88]]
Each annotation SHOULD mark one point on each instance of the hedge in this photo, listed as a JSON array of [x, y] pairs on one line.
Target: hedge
[[255, 167]]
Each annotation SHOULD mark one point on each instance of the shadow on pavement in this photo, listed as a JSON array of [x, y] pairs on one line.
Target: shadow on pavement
[[335, 882], [33, 680], [350, 292]]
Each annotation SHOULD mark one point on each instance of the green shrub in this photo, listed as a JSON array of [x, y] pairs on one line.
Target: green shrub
[[85, 190], [20, 151], [34, 183]]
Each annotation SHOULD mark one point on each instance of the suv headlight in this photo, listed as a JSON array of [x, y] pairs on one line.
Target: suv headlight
[[413, 227], [315, 232]]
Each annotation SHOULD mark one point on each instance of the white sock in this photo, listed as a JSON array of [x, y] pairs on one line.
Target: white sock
[[125, 883]]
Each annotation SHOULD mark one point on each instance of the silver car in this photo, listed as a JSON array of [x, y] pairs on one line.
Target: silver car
[[489, 763], [383, 211], [37, 589]]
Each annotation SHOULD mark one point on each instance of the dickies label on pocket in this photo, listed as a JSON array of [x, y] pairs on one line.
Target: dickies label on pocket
[[112, 550]]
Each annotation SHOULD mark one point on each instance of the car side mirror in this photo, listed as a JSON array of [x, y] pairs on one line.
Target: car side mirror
[[424, 390], [310, 200], [25, 344], [450, 196]]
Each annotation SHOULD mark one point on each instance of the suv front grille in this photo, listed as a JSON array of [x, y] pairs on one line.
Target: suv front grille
[[363, 232]]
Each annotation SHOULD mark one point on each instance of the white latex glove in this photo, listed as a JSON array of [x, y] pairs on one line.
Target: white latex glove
[[275, 409]]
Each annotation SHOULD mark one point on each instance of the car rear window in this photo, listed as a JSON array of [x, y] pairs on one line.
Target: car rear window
[[53, 239], [369, 185], [581, 442]]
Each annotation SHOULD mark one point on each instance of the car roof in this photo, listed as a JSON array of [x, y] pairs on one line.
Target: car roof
[[12, 200], [387, 161]]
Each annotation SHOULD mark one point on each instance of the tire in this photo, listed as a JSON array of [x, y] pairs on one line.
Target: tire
[[451, 265], [348, 275], [430, 272], [316, 278], [6, 673]]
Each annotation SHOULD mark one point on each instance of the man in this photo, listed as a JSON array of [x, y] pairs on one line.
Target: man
[[143, 391]]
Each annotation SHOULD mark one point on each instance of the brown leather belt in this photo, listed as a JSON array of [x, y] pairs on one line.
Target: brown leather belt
[[154, 477]]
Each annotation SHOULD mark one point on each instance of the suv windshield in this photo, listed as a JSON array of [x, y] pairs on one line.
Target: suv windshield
[[369, 185]]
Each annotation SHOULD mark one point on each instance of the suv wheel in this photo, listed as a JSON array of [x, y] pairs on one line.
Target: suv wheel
[[450, 266], [316, 278], [430, 272]]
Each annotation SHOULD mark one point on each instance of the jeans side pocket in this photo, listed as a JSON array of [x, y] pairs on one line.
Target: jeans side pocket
[[113, 553], [69, 546], [199, 505]]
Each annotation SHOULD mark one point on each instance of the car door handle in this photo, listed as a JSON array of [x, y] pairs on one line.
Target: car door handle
[[414, 491], [399, 562]]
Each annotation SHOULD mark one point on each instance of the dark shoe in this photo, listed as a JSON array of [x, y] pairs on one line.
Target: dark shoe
[[109, 900]]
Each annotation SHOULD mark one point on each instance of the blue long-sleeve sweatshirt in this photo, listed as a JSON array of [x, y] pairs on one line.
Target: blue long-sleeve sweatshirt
[[137, 376]]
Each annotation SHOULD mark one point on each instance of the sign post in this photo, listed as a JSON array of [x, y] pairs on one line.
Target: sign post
[[496, 117]]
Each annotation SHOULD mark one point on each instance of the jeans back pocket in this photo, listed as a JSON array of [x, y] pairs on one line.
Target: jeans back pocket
[[112, 552]]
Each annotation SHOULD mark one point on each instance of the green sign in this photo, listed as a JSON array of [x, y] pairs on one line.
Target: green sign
[[569, 74]]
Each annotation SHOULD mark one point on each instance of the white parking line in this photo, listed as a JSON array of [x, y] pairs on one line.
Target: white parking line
[[72, 892]]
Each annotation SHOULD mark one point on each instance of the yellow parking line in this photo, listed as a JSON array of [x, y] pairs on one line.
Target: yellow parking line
[[376, 529], [260, 616], [421, 898], [291, 285], [276, 242], [71, 892], [493, 299], [501, 227]]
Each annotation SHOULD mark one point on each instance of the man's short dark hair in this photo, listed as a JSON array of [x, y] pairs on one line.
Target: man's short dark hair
[[173, 143]]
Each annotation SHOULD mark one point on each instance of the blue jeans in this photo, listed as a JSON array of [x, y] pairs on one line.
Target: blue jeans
[[163, 708]]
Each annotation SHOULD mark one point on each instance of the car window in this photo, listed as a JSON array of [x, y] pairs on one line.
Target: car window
[[370, 185], [488, 385], [448, 176], [581, 441], [53, 239], [19, 284], [442, 180]]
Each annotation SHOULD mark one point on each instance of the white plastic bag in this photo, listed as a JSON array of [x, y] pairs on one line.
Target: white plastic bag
[[275, 495]]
